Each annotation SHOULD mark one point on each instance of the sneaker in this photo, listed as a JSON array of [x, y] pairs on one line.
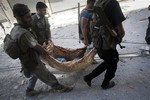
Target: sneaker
[[61, 88], [32, 92], [95, 62], [110, 85], [87, 81]]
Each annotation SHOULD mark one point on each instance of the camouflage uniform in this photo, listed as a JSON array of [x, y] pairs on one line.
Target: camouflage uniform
[[106, 52], [30, 58], [41, 27]]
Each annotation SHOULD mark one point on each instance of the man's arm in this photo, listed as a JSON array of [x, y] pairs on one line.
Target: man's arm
[[116, 17], [120, 30], [84, 23], [31, 42], [40, 49]]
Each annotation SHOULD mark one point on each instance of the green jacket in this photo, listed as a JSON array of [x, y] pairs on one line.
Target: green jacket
[[40, 26], [27, 41]]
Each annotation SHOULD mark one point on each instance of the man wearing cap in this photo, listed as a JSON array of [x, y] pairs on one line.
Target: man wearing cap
[[41, 25], [32, 65]]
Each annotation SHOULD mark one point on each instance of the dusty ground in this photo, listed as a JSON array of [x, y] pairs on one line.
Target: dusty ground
[[132, 76]]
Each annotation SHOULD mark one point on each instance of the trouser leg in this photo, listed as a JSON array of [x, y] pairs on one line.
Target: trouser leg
[[112, 67], [97, 71], [42, 73], [110, 73], [31, 82]]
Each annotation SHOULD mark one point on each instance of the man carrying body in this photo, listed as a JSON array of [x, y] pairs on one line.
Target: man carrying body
[[41, 25], [107, 49], [32, 65], [85, 25]]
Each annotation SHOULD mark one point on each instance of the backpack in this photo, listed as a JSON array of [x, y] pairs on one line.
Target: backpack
[[147, 37], [101, 37], [11, 46]]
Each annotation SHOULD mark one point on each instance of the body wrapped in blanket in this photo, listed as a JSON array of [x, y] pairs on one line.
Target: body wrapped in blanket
[[76, 59]]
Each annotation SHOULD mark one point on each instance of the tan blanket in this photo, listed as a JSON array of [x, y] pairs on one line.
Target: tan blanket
[[76, 60]]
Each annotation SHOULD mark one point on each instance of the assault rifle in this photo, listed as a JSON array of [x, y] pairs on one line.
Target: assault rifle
[[113, 33], [105, 22]]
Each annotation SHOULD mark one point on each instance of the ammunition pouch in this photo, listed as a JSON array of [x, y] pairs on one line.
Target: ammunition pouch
[[103, 39]]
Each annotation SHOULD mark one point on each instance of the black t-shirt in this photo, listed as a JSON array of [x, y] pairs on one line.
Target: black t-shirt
[[114, 13]]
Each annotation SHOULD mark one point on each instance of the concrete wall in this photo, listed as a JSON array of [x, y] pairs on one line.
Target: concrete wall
[[60, 5], [31, 3], [53, 6], [3, 17], [5, 11]]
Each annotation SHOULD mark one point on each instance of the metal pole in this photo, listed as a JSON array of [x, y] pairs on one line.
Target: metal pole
[[79, 20]]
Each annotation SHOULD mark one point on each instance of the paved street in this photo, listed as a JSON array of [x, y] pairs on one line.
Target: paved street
[[132, 77]]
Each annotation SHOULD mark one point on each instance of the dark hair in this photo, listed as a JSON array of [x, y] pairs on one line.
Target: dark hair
[[89, 1], [40, 5], [20, 10]]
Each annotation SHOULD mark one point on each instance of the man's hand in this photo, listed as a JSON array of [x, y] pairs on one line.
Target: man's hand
[[85, 42], [45, 52], [50, 42], [120, 30], [118, 39], [40, 49]]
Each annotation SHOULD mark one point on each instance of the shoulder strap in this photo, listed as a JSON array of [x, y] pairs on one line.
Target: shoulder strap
[[16, 33], [102, 16], [35, 18], [44, 18], [102, 3], [34, 24]]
